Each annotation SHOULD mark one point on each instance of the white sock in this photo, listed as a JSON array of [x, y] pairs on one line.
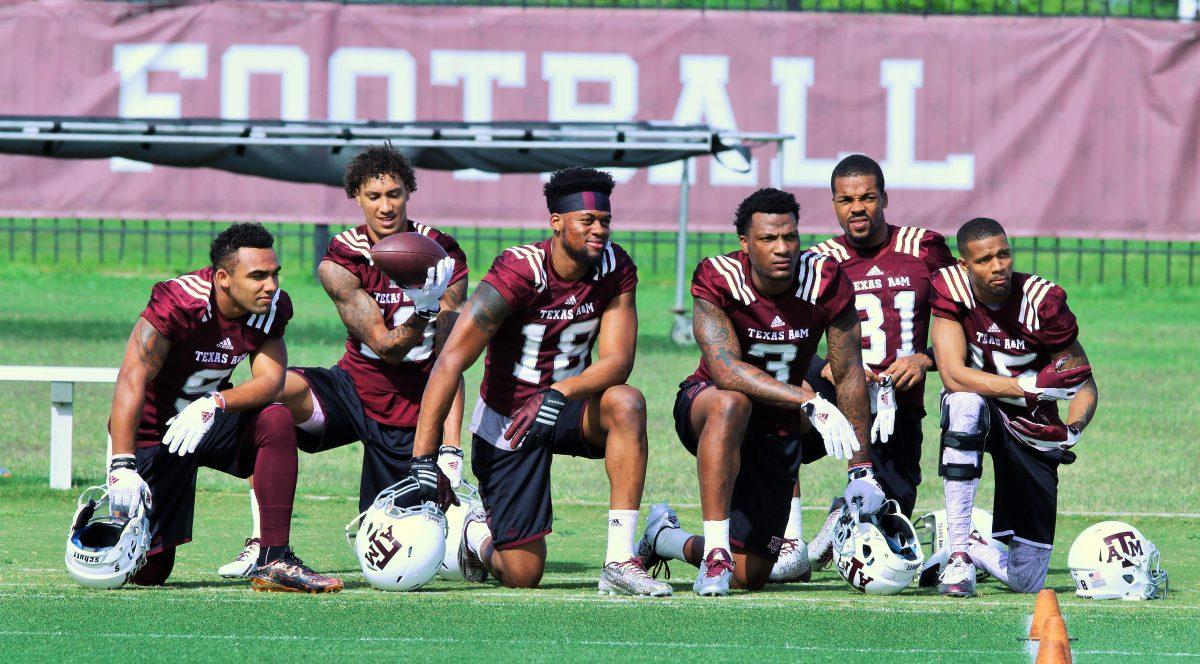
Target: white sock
[[477, 532], [995, 562], [670, 543], [716, 535], [622, 529], [256, 531], [960, 498], [795, 528]]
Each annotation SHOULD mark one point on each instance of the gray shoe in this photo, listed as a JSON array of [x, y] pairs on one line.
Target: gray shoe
[[716, 572], [660, 518], [820, 549], [473, 569], [958, 577], [245, 563], [630, 578], [792, 564]]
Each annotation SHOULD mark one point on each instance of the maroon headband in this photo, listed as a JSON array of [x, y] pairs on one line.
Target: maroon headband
[[583, 200]]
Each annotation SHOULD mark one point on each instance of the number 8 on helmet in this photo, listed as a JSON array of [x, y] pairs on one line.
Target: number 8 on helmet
[[1114, 560]]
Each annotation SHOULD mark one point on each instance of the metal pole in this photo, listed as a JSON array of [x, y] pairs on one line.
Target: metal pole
[[61, 412], [681, 333], [320, 244]]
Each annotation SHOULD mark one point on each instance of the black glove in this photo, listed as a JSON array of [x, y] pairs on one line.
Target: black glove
[[535, 420], [434, 487]]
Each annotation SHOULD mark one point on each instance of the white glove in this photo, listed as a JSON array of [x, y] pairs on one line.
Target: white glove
[[863, 494], [185, 430], [450, 460], [885, 411], [835, 429], [126, 489], [427, 297]]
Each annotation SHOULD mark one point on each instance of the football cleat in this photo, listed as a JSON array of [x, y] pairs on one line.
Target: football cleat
[[792, 564], [958, 576], [660, 518], [820, 549], [716, 572], [630, 578], [289, 574], [473, 569], [245, 563]]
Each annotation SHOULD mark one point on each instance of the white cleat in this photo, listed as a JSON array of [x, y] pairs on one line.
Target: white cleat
[[630, 578], [245, 563], [716, 572], [820, 549], [958, 578], [792, 564], [660, 518], [472, 567]]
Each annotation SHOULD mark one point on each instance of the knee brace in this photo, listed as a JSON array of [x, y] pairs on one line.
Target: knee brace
[[965, 423]]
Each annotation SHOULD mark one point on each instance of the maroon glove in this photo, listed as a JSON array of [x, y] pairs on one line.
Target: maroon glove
[[1064, 436], [1053, 383], [534, 422]]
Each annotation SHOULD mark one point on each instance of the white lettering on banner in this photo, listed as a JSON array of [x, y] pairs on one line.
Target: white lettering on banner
[[563, 72], [347, 64], [477, 71], [133, 63], [704, 99], [901, 78], [240, 62]]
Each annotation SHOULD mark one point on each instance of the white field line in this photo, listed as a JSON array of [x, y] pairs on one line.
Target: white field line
[[639, 645]]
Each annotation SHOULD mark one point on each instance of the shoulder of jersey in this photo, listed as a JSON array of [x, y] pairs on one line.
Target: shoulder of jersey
[[1037, 292], [613, 259], [528, 261], [727, 270], [265, 322], [912, 239], [352, 243], [434, 234], [953, 282], [193, 295], [831, 248], [814, 271]]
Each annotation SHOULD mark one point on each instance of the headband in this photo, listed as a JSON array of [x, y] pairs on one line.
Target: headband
[[583, 200]]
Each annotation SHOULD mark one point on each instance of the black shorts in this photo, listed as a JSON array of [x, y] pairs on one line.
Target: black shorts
[[759, 507], [387, 450], [897, 462], [226, 447], [515, 484], [1026, 500]]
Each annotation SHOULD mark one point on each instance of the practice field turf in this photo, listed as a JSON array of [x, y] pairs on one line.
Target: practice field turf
[[1137, 462]]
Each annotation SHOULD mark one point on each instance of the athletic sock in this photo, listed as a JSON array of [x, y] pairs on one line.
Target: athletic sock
[[274, 440], [795, 528], [960, 499], [622, 529], [992, 560], [716, 535], [477, 532], [269, 554], [254, 518], [671, 542]]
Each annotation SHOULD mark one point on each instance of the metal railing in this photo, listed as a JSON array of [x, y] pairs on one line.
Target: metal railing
[[172, 247]]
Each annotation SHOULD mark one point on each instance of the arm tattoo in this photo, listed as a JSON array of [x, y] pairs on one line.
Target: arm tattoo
[[488, 308], [152, 347], [452, 303], [722, 352], [361, 315], [845, 360]]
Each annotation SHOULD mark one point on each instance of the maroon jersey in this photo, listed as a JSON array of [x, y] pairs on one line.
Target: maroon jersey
[[892, 291], [389, 394], [205, 346], [549, 334], [776, 333], [1016, 338]]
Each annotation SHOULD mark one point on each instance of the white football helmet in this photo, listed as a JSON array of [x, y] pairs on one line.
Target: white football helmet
[[468, 496], [934, 535], [877, 554], [104, 551], [398, 547], [1114, 560]]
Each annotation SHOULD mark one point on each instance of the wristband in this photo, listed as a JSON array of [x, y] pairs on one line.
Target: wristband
[[122, 461], [221, 403], [860, 471]]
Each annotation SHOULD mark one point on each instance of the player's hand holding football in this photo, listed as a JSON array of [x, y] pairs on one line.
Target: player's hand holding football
[[126, 489], [434, 486], [885, 411], [426, 298], [836, 431], [185, 430], [863, 492], [908, 370], [1053, 383], [450, 460], [534, 422], [1064, 436]]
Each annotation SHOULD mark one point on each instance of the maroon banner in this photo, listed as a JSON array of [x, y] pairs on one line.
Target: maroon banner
[[1064, 127]]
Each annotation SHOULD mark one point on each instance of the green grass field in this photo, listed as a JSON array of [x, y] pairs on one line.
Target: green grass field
[[1137, 462]]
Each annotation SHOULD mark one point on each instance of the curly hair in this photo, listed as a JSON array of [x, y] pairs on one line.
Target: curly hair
[[856, 164], [377, 161], [224, 247], [574, 180], [767, 200], [979, 228]]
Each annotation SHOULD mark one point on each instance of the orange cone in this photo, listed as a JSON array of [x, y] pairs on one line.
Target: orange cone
[[1046, 606], [1053, 651]]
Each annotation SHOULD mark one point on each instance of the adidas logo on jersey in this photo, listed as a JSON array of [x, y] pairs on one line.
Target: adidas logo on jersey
[[571, 301], [875, 272], [226, 344], [994, 329], [778, 322]]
